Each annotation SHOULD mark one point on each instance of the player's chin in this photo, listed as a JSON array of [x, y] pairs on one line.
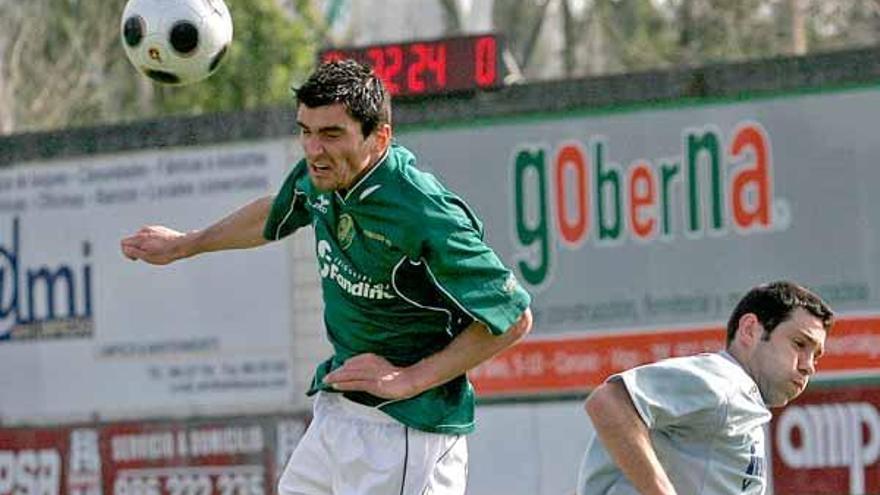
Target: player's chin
[[323, 184], [782, 399]]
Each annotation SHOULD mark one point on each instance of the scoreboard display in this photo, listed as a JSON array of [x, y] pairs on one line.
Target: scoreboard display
[[428, 67]]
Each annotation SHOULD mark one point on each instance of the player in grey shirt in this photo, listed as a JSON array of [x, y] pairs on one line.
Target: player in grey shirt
[[695, 425]]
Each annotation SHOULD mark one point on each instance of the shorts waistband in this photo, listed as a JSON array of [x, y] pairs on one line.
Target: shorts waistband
[[335, 403]]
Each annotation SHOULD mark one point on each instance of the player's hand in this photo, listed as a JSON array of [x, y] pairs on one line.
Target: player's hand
[[154, 244], [372, 374]]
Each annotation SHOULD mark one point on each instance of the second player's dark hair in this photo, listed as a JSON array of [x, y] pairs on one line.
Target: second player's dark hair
[[354, 85], [774, 302]]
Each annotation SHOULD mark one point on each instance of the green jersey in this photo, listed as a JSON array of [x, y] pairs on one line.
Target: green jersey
[[404, 270]]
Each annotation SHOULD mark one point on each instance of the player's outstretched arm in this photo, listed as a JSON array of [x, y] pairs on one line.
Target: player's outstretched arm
[[160, 245], [626, 438], [475, 344]]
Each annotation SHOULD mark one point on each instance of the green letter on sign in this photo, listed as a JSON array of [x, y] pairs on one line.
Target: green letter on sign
[[532, 230]]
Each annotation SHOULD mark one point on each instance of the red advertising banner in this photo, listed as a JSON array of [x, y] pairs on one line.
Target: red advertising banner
[[220, 459], [31, 461], [238, 456], [828, 441], [579, 363]]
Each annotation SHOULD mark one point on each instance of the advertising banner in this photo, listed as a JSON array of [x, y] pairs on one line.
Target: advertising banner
[[665, 216], [828, 441], [634, 229], [571, 364], [86, 333], [229, 456]]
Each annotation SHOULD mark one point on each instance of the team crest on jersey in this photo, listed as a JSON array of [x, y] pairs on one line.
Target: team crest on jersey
[[345, 231]]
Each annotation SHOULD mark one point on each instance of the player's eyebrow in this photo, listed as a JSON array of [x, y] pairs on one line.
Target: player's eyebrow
[[328, 128], [820, 349]]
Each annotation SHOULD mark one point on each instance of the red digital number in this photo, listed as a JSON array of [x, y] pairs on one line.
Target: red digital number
[[394, 67], [428, 58], [377, 60], [485, 55], [437, 64], [387, 63], [414, 82]]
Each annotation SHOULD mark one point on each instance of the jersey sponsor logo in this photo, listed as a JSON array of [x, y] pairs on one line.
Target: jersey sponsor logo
[[345, 231], [320, 203], [354, 283], [831, 436]]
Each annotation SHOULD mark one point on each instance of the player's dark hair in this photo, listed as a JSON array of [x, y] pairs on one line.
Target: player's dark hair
[[774, 302], [354, 85]]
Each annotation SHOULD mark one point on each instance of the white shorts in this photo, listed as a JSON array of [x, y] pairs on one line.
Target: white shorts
[[351, 449]]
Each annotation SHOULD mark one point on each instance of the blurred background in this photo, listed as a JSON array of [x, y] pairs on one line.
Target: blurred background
[[62, 65], [639, 164]]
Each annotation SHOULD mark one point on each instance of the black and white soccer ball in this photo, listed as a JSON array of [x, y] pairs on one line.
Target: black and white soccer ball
[[176, 42]]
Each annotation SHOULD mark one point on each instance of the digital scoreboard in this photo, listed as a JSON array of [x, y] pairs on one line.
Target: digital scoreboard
[[428, 67]]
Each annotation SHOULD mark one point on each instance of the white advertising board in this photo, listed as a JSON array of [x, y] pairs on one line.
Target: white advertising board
[[85, 332]]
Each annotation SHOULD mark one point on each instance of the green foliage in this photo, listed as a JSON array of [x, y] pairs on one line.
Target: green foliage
[[270, 49], [55, 66], [643, 37], [62, 64], [608, 36]]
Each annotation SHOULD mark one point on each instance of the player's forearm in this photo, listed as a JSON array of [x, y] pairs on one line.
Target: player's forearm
[[241, 229], [626, 438], [474, 345]]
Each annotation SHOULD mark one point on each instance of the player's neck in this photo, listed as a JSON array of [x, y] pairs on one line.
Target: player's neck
[[374, 162]]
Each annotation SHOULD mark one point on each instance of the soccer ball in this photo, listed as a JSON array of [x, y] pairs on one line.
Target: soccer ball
[[176, 42]]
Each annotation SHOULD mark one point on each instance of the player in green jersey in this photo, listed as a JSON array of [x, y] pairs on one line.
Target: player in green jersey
[[413, 296], [695, 425]]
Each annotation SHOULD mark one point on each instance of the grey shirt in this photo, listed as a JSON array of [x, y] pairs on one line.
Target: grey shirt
[[706, 418]]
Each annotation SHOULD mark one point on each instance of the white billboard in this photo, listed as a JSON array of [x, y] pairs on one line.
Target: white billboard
[[85, 333]]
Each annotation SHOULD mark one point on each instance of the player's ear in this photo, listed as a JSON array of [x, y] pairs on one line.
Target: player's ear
[[749, 330], [382, 136]]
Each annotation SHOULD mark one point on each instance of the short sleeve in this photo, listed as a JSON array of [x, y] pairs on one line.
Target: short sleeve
[[670, 393], [465, 268], [288, 212]]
